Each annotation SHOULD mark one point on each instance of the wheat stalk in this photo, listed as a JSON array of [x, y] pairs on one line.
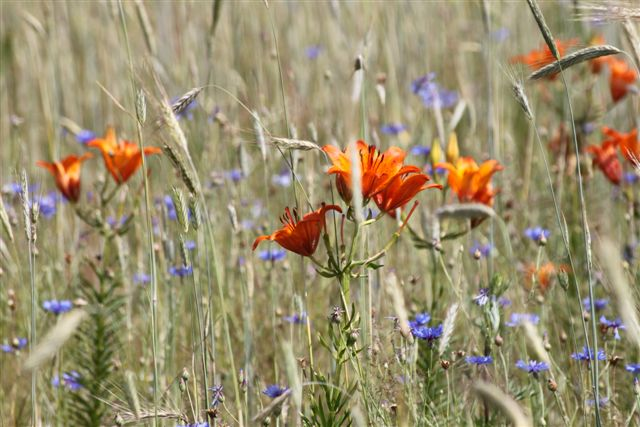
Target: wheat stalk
[[574, 58]]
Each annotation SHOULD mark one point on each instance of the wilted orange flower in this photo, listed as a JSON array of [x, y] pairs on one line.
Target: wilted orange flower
[[122, 158], [470, 182], [377, 169], [401, 190], [300, 235], [621, 78], [67, 174], [606, 158], [543, 276], [627, 142], [536, 59]]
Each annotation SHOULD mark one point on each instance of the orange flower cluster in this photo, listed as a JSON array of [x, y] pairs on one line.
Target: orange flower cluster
[[385, 178], [470, 182], [299, 235], [605, 156], [621, 77], [538, 58], [121, 159]]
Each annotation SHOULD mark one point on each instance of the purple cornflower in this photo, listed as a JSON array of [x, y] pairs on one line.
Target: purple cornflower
[[141, 278], [482, 298], [537, 234], [518, 318], [588, 127], [218, 396], [272, 255], [197, 424], [57, 307], [282, 179], [631, 177], [432, 95], [504, 302], [313, 51], [190, 245], [393, 128], [634, 368], [500, 35], [615, 325], [427, 333], [70, 380], [296, 319], [274, 391], [420, 320], [598, 304], [113, 223], [479, 360], [533, 366], [234, 175], [171, 208], [480, 251], [181, 271], [84, 136], [420, 150], [587, 355], [601, 403], [16, 345]]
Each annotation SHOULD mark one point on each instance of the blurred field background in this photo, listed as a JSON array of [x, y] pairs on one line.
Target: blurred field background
[[286, 70]]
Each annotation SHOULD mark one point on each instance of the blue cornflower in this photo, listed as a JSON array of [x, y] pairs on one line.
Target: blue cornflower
[[598, 304], [587, 355], [393, 128], [282, 179], [70, 380], [190, 245], [634, 368], [533, 366], [274, 391], [187, 112], [84, 136], [479, 360], [615, 325], [234, 175], [518, 318], [171, 208], [13, 188], [588, 127], [272, 255], [537, 234], [481, 251], [420, 150], [504, 302], [432, 95], [113, 223], [57, 307], [296, 318], [421, 320], [602, 403], [631, 177], [313, 51], [47, 204], [141, 278], [501, 34], [218, 396], [16, 345], [482, 298], [427, 333], [181, 271]]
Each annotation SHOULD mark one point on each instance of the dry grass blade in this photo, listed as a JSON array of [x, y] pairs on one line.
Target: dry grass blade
[[55, 339], [399, 306], [185, 100], [147, 30], [625, 301], [503, 402], [275, 403], [465, 211], [631, 33], [293, 377], [293, 144], [534, 342], [4, 218], [149, 414], [574, 58]]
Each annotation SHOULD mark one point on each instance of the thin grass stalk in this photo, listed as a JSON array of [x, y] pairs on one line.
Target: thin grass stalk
[[150, 238]]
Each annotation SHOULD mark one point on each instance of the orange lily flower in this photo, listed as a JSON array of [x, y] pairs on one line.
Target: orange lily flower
[[544, 275], [67, 174], [376, 169], [122, 158], [300, 235], [470, 182], [401, 190], [536, 59], [606, 158], [621, 78], [627, 142]]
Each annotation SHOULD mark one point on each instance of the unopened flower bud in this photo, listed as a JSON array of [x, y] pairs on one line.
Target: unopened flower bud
[[185, 374], [552, 385], [445, 364], [498, 341]]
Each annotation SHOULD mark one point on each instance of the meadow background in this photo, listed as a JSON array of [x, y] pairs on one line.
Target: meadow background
[[236, 321]]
